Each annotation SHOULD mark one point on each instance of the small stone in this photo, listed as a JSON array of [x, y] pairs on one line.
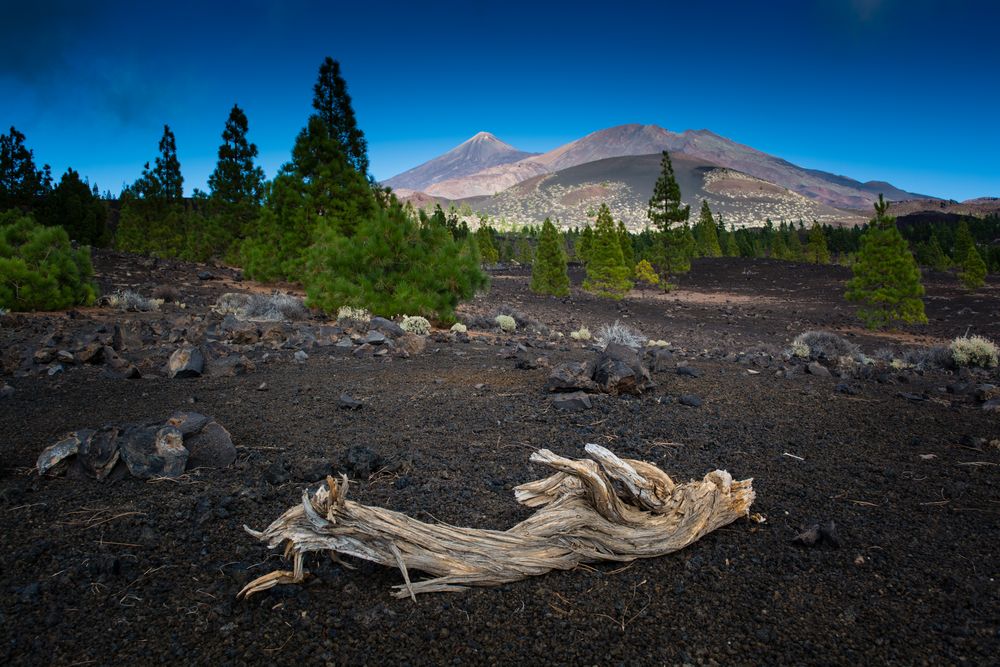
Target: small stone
[[262, 386], [992, 406], [6, 391], [211, 447], [572, 402], [688, 371], [65, 356], [373, 338], [300, 356], [411, 344], [344, 342], [43, 356], [346, 402], [844, 388], [186, 362], [387, 327], [690, 400], [818, 369], [55, 369], [206, 275]]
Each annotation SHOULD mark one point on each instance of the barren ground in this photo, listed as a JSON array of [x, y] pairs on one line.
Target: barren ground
[[137, 572]]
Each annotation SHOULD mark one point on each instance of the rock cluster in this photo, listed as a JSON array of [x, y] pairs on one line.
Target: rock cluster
[[156, 449]]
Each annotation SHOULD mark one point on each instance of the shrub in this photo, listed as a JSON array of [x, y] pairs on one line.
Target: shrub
[[39, 269], [415, 325], [522, 321], [167, 294], [130, 301], [506, 323], [621, 334], [275, 307], [974, 351], [357, 318], [938, 356], [823, 345], [581, 334], [458, 327]]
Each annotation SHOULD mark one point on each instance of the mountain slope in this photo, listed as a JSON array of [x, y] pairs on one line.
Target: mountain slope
[[624, 140], [625, 183], [473, 155]]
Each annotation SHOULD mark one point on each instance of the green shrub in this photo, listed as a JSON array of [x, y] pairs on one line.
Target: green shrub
[[39, 269], [506, 323], [974, 351]]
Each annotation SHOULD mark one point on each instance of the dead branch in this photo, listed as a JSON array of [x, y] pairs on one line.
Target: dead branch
[[602, 508]]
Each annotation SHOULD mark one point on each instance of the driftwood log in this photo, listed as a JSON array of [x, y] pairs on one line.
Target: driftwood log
[[602, 508]]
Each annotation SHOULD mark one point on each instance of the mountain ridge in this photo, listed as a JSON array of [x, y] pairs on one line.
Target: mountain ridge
[[481, 151]]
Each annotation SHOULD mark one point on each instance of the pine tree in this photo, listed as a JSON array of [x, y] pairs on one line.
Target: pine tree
[[548, 273], [153, 219], [886, 278], [706, 233], [628, 250], [73, 205], [671, 252], [936, 259], [317, 188], [665, 205], [607, 274], [963, 241], [816, 249], [794, 245], [523, 252], [779, 249], [236, 185], [333, 106], [392, 265], [22, 185], [585, 245], [973, 273], [488, 252], [732, 246]]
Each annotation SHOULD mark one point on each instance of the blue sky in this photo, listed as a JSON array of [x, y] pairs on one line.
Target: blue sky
[[907, 92]]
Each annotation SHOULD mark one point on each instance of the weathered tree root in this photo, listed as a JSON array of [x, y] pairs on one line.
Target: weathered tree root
[[602, 509]]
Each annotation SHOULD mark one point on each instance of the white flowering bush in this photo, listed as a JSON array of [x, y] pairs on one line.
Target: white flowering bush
[[353, 317], [974, 351], [582, 334], [506, 323], [415, 325], [458, 327]]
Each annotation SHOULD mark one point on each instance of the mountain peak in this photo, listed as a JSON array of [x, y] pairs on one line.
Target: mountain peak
[[481, 151]]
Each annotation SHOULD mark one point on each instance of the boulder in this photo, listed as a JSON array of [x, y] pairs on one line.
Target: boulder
[[91, 353], [572, 376], [152, 451], [619, 370], [411, 344], [210, 447], [361, 461], [387, 327], [688, 371], [186, 362], [572, 402], [98, 452]]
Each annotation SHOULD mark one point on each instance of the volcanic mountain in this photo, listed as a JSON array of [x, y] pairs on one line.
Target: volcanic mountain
[[632, 140], [480, 152]]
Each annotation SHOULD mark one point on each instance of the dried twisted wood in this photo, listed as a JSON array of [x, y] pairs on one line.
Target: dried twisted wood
[[602, 509]]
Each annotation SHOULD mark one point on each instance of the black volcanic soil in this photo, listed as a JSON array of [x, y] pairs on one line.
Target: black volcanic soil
[[136, 572]]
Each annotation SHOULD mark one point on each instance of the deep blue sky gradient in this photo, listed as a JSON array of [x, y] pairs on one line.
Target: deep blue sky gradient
[[904, 91]]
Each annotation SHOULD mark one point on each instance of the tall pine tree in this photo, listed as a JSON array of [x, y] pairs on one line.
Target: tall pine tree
[[548, 273], [671, 252], [628, 250], [153, 219], [333, 107], [973, 269], [706, 233], [816, 248], [886, 279], [22, 185]]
